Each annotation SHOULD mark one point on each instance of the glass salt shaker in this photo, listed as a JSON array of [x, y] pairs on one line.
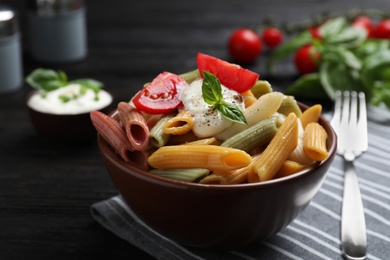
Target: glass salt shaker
[[57, 30], [11, 75]]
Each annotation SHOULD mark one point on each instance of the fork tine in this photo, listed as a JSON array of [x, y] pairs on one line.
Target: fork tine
[[353, 139], [344, 122], [335, 122], [362, 123]]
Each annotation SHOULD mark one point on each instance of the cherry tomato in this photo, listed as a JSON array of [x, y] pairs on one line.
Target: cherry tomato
[[306, 59], [382, 30], [244, 46], [315, 32], [161, 95], [229, 74], [366, 23], [272, 37]]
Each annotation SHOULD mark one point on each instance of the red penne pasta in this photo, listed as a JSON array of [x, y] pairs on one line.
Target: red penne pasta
[[114, 134], [135, 125]]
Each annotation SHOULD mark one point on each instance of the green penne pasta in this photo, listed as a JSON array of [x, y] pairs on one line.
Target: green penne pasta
[[189, 175], [289, 104], [261, 87], [190, 76], [157, 137], [254, 136]]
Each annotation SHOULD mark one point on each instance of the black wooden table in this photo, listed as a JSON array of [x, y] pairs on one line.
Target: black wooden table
[[46, 188]]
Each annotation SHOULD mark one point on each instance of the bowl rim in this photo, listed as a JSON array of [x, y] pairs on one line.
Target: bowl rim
[[108, 153]]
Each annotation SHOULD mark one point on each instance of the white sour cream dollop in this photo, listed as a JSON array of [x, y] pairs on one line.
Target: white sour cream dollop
[[52, 103], [206, 121]]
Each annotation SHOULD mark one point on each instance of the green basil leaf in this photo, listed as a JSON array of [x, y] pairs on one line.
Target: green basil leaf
[[308, 87], [343, 55], [370, 47], [338, 76], [211, 89], [46, 79], [231, 112], [212, 95], [349, 37], [288, 48], [332, 27]]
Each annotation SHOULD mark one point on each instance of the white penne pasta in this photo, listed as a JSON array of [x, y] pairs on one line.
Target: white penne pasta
[[180, 124], [264, 107], [277, 152], [314, 142], [299, 155], [212, 157]]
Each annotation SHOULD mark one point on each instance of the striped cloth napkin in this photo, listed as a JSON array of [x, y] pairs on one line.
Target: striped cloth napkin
[[315, 234]]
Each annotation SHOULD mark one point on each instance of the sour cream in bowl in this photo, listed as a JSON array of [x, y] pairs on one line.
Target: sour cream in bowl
[[63, 113]]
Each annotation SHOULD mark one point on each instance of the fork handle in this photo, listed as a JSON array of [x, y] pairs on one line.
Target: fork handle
[[353, 225]]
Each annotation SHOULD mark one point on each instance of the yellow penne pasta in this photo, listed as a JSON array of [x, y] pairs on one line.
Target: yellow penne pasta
[[298, 155], [180, 124], [206, 141], [310, 115], [212, 157], [233, 177], [314, 142], [264, 107], [278, 150], [249, 98], [288, 168]]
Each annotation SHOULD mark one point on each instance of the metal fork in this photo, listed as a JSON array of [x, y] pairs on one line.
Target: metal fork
[[350, 123]]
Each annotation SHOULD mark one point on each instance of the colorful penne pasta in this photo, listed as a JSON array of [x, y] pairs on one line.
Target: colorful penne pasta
[[264, 107], [114, 134], [212, 157], [136, 127], [180, 124], [189, 175], [257, 135], [311, 115], [157, 136], [289, 105], [201, 127], [314, 142], [277, 152], [299, 155]]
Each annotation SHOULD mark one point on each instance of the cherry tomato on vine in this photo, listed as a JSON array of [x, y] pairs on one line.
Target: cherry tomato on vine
[[315, 32], [306, 59], [272, 37], [382, 30], [366, 23], [244, 46]]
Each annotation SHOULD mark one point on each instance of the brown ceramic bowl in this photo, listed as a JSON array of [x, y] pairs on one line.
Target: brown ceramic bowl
[[66, 127], [216, 216]]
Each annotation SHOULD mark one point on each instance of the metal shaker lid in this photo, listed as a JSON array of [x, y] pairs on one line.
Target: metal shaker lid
[[8, 21], [55, 7]]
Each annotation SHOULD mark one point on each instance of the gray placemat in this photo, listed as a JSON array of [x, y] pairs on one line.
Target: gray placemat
[[315, 234]]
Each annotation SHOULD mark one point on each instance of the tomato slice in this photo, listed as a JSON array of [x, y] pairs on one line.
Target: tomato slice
[[229, 74], [161, 95]]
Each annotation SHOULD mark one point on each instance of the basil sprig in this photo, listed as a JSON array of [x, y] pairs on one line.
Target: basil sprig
[[47, 80], [212, 95], [349, 61]]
